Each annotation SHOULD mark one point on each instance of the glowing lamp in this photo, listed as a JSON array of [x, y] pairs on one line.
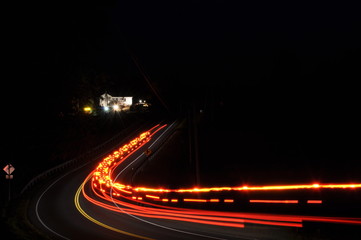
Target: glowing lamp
[[87, 109]]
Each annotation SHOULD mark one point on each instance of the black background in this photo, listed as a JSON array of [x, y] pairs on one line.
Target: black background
[[290, 68]]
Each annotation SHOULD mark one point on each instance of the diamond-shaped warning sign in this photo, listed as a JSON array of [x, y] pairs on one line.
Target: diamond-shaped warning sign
[[148, 152], [9, 169]]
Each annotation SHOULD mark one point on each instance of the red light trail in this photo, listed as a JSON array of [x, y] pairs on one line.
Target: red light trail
[[273, 201], [123, 198]]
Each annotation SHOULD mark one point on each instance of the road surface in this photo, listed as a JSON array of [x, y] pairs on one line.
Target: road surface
[[70, 207]]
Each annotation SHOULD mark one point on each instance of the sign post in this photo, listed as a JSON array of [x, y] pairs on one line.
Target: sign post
[[148, 152], [9, 169]]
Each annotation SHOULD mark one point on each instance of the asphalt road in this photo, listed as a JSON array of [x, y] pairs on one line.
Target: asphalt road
[[61, 211]]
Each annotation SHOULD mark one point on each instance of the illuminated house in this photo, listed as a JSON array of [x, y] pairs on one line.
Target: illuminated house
[[116, 103]]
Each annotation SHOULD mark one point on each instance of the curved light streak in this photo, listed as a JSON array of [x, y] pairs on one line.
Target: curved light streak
[[103, 176], [80, 209], [123, 198]]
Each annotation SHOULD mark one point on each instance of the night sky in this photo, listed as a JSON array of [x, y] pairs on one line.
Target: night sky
[[186, 43], [292, 63]]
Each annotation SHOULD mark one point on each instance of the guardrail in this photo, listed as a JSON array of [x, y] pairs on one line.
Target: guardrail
[[91, 155]]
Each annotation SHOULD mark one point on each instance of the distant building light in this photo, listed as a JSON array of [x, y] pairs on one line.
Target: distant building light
[[116, 107], [107, 100]]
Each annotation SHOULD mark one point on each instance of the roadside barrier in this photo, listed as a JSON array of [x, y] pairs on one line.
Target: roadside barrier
[[89, 156]]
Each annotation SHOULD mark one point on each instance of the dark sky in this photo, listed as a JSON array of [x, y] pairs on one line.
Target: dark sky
[[290, 66], [303, 52]]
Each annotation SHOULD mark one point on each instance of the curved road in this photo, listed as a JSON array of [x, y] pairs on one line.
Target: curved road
[[61, 211]]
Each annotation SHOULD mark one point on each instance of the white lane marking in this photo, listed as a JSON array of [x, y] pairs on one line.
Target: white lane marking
[[37, 207], [143, 152], [162, 134], [149, 222], [51, 185], [47, 189]]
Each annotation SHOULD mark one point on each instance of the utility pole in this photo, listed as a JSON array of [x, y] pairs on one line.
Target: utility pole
[[149, 82], [190, 138], [196, 150], [193, 141]]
